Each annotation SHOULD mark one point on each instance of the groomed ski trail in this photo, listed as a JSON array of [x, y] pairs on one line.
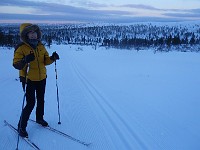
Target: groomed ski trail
[[97, 98]]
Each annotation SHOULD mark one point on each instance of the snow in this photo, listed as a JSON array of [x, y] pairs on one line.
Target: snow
[[115, 99]]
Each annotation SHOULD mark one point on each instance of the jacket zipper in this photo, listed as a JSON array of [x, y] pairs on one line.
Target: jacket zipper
[[37, 53]]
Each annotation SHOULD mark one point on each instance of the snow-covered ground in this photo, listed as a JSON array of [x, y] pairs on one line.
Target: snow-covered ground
[[115, 99]]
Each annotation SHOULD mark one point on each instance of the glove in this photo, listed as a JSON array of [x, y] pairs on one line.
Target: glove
[[28, 58], [55, 56]]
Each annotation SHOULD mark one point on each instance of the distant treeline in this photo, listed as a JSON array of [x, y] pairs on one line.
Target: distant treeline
[[118, 36]]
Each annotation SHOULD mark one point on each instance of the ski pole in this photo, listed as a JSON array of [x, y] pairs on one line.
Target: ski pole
[[20, 123], [57, 94]]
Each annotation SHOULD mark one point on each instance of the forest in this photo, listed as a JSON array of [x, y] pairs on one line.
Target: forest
[[136, 36]]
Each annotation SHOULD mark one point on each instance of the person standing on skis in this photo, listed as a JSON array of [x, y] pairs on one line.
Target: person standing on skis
[[30, 58]]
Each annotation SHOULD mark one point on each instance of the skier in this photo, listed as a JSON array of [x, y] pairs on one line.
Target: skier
[[30, 58]]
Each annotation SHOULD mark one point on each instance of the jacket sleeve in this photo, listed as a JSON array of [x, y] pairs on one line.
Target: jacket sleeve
[[47, 59], [18, 61]]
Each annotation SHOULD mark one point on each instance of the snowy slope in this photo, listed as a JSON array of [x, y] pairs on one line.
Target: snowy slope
[[118, 100]]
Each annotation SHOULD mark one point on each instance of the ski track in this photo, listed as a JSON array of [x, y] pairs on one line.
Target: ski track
[[74, 110], [80, 98], [80, 111], [107, 108], [165, 132]]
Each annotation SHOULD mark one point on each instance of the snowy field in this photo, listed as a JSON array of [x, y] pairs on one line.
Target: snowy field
[[115, 99]]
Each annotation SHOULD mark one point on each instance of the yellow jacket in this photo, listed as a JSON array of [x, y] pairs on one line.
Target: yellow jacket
[[35, 70]]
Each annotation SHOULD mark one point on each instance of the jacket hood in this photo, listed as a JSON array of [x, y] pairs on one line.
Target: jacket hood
[[27, 27]]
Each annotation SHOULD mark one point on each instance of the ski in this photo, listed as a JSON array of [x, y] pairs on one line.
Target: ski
[[33, 145], [63, 134]]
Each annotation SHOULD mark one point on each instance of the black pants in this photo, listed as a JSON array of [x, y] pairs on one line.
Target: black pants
[[33, 87]]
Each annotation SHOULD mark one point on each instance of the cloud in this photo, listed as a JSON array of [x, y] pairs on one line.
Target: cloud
[[54, 11], [182, 15], [58, 12], [85, 19], [178, 13], [87, 3], [21, 3], [191, 13], [53, 8], [139, 6], [197, 11]]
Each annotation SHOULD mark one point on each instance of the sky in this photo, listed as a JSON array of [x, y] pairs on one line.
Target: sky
[[95, 11]]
